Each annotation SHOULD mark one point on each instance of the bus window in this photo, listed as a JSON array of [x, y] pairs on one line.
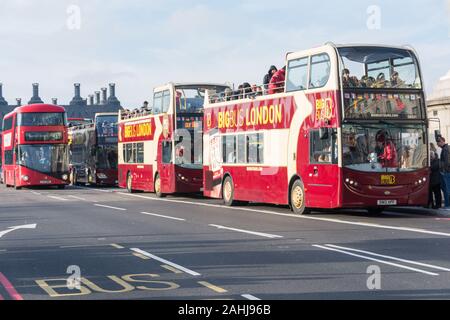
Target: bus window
[[229, 149], [166, 101], [157, 103], [8, 157], [255, 148], [167, 152], [8, 124], [297, 74], [241, 149], [140, 152], [322, 150], [320, 70]]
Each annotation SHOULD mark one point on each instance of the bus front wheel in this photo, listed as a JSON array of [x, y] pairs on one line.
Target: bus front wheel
[[297, 198], [228, 192], [157, 187], [129, 183]]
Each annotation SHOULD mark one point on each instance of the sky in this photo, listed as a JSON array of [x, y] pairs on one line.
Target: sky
[[141, 44]]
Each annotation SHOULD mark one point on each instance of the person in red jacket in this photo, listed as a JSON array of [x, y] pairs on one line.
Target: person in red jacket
[[276, 84], [388, 153]]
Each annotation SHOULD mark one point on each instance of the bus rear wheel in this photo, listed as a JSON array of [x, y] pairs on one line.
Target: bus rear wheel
[[228, 192], [130, 183], [157, 187], [297, 198]]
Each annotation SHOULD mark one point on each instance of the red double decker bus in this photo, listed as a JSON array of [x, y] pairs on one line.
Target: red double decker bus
[[160, 148], [35, 150], [346, 129]]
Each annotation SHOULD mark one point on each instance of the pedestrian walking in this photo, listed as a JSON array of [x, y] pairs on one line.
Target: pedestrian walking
[[444, 166]]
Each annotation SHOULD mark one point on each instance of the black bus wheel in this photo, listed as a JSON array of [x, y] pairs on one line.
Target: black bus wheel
[[130, 183]]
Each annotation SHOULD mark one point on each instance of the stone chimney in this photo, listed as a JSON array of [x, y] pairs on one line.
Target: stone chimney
[[77, 99], [112, 100], [55, 101], [35, 98], [97, 97], [3, 102], [91, 99], [104, 96], [19, 102]]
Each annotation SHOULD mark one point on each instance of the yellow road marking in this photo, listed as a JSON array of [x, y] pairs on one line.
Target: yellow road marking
[[170, 268], [212, 287], [115, 245], [140, 256]]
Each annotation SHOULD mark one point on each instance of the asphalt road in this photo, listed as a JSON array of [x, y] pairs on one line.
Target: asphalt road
[[136, 246]]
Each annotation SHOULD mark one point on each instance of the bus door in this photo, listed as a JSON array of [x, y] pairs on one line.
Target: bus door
[[322, 175], [166, 168]]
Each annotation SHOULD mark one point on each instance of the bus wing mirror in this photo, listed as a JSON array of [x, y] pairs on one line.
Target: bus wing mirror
[[437, 135]]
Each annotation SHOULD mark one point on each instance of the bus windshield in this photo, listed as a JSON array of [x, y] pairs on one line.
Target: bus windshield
[[106, 125], [378, 68], [107, 157], [190, 99], [32, 119], [44, 158], [384, 147]]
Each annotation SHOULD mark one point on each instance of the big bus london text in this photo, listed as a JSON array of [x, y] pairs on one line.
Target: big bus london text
[[160, 148], [34, 148], [348, 128]]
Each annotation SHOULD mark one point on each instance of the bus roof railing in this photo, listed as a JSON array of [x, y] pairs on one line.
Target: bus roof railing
[[251, 92]]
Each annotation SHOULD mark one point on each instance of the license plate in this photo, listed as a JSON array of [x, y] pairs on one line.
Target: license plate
[[387, 202], [45, 182]]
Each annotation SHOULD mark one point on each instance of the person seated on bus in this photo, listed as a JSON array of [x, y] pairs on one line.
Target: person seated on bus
[[349, 81], [387, 153], [381, 81], [276, 84], [231, 157], [246, 90], [396, 82], [269, 76]]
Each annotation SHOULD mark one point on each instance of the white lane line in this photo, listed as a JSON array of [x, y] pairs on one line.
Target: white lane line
[[261, 234], [390, 257], [177, 266], [82, 199], [250, 297], [163, 216], [109, 207], [377, 260], [58, 198], [362, 224], [11, 229], [36, 193], [96, 189]]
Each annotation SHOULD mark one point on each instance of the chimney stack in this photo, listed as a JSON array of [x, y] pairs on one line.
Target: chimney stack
[[55, 101], [77, 100], [3, 102], [91, 99], [104, 96], [97, 97], [35, 98], [112, 100], [19, 102]]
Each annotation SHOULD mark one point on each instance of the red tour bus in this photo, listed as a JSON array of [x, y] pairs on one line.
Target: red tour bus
[[35, 151], [347, 129], [160, 148]]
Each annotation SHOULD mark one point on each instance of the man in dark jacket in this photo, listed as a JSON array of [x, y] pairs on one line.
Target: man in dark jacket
[[444, 165], [269, 76], [435, 183]]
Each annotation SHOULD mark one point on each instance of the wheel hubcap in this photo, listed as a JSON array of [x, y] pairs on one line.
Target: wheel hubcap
[[129, 183], [227, 191], [157, 185], [297, 197]]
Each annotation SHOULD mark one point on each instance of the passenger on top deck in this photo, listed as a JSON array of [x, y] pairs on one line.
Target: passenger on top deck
[[276, 84], [269, 76], [349, 81]]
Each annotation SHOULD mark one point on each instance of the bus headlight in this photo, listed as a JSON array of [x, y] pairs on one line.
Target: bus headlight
[[25, 178], [102, 176], [65, 177]]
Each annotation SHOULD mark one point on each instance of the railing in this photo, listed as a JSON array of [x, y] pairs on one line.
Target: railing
[[250, 92], [136, 113]]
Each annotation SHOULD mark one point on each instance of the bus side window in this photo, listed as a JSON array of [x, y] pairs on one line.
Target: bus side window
[[167, 152], [321, 150], [320, 70], [297, 75], [166, 101], [157, 103]]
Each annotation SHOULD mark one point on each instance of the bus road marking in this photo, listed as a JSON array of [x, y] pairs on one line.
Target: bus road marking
[[86, 188], [172, 269], [250, 297], [82, 199], [115, 245], [109, 207], [362, 224], [212, 287], [140, 255], [390, 257], [266, 235], [377, 260], [177, 266], [9, 287], [163, 216]]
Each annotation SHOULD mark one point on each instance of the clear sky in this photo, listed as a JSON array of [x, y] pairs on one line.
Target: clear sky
[[139, 44]]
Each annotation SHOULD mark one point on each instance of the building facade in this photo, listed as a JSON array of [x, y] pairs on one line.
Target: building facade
[[77, 107], [438, 108]]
